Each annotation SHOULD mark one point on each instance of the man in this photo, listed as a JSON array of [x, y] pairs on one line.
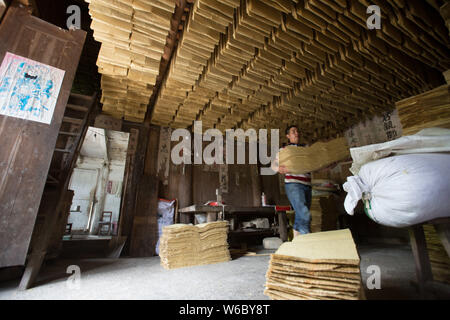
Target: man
[[298, 188]]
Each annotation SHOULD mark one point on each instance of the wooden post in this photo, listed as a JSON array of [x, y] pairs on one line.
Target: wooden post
[[420, 252], [282, 225], [137, 149], [144, 234], [443, 231], [256, 185]]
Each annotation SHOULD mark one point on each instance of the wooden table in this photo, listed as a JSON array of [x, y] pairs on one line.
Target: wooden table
[[214, 213]]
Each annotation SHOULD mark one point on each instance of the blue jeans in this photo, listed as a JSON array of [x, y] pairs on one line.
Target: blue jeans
[[300, 198]]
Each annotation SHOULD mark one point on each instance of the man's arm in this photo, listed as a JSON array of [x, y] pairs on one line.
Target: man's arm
[[276, 166]]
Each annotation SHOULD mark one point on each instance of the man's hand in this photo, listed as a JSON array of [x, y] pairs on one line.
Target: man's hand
[[282, 170]]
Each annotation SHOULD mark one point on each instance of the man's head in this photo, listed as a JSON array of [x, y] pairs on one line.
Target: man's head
[[292, 134]]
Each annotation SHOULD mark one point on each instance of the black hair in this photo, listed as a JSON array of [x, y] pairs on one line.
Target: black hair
[[290, 127]]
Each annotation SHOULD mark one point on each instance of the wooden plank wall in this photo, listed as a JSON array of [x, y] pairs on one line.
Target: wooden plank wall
[[196, 184], [180, 185], [188, 184], [20, 33]]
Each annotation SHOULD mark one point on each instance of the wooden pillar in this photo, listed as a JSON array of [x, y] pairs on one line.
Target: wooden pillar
[[144, 233], [421, 258], [138, 144], [443, 231], [151, 155], [256, 185], [282, 225]]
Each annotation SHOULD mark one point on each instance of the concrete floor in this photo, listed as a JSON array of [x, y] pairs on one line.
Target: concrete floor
[[240, 279]]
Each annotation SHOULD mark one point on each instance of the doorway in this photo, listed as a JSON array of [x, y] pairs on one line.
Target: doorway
[[97, 182]]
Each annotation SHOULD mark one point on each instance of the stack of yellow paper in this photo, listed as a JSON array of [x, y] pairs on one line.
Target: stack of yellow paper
[[188, 245], [317, 266]]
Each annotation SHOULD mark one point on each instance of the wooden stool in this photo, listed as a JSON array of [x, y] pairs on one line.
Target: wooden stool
[[420, 252], [106, 220], [68, 230]]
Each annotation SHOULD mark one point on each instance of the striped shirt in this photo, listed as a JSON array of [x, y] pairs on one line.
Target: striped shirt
[[297, 178]]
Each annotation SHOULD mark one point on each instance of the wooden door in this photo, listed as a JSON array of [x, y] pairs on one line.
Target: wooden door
[[26, 146]]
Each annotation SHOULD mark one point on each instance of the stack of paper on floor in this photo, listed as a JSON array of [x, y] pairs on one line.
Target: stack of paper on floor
[[317, 266], [188, 245]]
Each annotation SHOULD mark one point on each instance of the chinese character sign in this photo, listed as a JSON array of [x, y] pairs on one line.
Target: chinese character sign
[[379, 129], [29, 89]]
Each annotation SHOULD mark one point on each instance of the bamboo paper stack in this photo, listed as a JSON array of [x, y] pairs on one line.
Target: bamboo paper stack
[[317, 266], [265, 63], [188, 245], [316, 157], [428, 110], [133, 36], [183, 94]]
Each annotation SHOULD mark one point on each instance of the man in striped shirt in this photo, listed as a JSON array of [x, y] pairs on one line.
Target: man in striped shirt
[[298, 188]]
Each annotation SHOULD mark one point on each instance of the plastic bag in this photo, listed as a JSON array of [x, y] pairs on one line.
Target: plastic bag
[[166, 210]]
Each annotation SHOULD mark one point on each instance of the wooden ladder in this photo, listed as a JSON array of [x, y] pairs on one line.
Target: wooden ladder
[[53, 212], [70, 138]]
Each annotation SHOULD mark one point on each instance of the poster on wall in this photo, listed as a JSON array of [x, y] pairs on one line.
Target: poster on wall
[[29, 89], [379, 129]]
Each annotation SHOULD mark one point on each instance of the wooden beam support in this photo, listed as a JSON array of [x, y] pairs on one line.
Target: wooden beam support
[[421, 258]]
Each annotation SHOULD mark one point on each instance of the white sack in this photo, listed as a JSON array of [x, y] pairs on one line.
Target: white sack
[[432, 140], [403, 190]]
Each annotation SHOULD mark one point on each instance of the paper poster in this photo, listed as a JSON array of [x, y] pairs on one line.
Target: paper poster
[[29, 89]]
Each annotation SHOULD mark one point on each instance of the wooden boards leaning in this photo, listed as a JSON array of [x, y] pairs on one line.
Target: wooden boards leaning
[[313, 158], [188, 245], [317, 266]]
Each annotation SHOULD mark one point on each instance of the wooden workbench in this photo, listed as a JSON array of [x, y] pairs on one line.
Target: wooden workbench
[[214, 213]]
